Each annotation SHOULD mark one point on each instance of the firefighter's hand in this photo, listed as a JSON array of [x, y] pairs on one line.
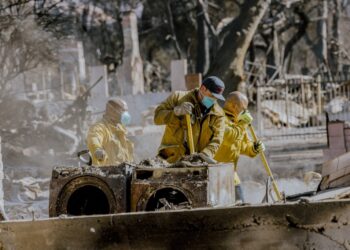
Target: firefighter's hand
[[100, 154], [245, 118], [184, 109], [206, 158], [259, 147]]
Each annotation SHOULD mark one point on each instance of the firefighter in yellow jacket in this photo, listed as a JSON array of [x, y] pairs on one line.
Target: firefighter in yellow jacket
[[208, 121], [106, 140], [236, 140]]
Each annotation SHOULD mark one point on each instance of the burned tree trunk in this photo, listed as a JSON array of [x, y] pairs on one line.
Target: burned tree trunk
[[321, 48], [203, 53], [228, 63], [334, 52], [172, 28], [303, 24]]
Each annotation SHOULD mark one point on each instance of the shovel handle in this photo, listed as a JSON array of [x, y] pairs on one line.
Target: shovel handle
[[190, 134], [266, 165]]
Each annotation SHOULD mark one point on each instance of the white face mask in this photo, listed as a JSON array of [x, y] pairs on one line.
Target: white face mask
[[125, 118]]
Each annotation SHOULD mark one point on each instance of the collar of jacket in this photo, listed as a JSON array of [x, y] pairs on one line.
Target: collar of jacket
[[119, 127], [214, 110]]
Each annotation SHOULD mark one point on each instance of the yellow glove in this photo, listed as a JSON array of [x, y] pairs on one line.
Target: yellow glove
[[245, 118]]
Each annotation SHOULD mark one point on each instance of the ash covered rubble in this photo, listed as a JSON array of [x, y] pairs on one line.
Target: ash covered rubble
[[38, 134], [193, 160], [35, 136]]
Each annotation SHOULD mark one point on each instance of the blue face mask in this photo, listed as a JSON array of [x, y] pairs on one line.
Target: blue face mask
[[207, 101], [125, 118]]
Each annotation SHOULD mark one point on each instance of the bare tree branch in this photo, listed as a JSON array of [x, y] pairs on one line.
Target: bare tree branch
[[172, 29], [203, 54], [304, 21]]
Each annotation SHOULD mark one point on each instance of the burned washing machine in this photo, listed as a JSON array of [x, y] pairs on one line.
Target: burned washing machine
[[90, 190], [170, 188]]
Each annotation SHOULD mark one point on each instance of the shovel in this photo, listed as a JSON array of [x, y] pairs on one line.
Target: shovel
[[266, 165]]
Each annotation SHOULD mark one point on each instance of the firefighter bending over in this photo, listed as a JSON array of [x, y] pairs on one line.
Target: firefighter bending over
[[236, 140], [207, 118], [106, 140]]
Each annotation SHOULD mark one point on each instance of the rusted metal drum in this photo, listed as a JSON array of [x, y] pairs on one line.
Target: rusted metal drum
[[175, 188], [90, 190]]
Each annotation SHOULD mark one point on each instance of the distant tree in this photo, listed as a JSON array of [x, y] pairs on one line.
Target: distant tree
[[23, 45], [213, 44], [229, 60], [95, 22], [31, 31]]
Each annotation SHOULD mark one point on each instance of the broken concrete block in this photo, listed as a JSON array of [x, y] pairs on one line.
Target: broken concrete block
[[330, 154], [336, 128], [336, 173], [344, 161], [341, 182], [336, 142], [330, 166]]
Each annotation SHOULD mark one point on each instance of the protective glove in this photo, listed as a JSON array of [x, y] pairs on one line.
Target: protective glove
[[244, 118], [206, 158], [100, 154], [183, 109], [259, 147]]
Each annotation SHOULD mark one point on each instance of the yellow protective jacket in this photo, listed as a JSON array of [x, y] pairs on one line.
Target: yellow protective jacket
[[208, 131], [112, 138], [235, 143]]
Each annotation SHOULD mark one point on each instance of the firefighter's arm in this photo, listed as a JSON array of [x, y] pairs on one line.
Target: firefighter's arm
[[247, 147], [218, 136], [233, 132], [164, 113], [96, 138]]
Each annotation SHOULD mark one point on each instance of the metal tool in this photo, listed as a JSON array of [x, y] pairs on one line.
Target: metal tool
[[266, 165]]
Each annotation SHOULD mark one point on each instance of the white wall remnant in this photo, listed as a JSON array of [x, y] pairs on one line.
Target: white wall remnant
[[130, 74], [178, 70], [72, 68]]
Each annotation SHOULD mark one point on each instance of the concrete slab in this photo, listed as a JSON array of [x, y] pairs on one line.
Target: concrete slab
[[314, 225]]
